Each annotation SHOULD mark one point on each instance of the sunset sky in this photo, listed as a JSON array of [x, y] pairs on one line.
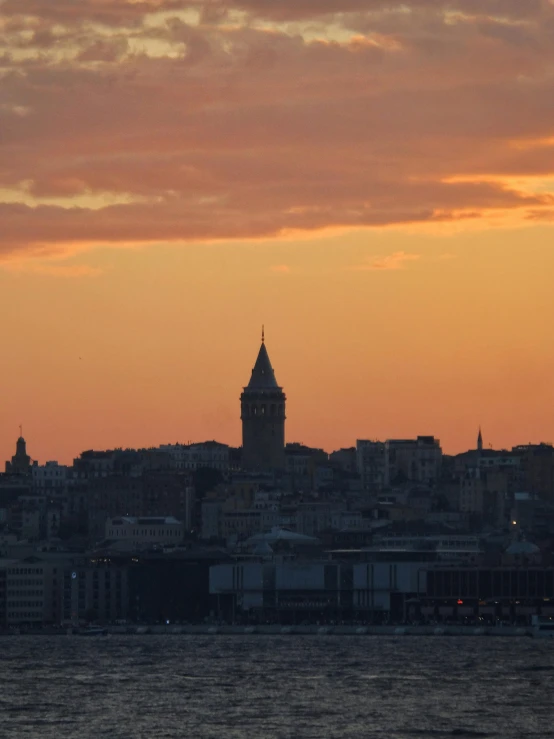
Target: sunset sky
[[372, 180]]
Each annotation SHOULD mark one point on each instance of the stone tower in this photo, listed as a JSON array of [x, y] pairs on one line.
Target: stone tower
[[263, 417], [21, 461]]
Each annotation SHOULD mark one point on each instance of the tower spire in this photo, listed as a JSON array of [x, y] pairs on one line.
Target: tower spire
[[480, 441], [263, 417]]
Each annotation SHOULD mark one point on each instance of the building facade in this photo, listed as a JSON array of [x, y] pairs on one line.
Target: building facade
[[311, 590], [191, 457], [415, 460], [139, 532], [31, 592], [371, 463], [95, 591]]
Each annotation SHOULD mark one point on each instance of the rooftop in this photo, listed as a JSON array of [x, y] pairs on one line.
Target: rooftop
[[263, 376]]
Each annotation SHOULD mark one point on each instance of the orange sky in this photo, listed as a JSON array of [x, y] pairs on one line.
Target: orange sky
[[373, 182]]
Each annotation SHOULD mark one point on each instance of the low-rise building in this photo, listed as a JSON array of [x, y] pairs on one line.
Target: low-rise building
[[537, 469], [507, 593], [137, 532], [32, 591], [95, 590], [416, 460], [191, 457], [50, 478], [316, 590]]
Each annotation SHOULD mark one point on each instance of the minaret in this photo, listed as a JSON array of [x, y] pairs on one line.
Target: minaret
[[263, 417], [480, 441]]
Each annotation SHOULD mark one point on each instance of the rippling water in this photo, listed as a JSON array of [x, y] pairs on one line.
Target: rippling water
[[264, 687]]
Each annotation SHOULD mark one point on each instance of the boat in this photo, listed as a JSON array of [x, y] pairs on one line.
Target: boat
[[325, 630], [91, 631], [542, 628]]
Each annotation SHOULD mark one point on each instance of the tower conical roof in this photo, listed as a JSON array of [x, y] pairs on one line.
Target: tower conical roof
[[263, 377]]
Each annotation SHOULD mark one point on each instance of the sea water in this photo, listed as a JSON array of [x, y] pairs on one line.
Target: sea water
[[285, 687]]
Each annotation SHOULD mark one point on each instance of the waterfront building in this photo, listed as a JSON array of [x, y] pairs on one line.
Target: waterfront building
[[95, 590], [172, 588], [30, 591], [263, 417], [292, 592], [492, 592]]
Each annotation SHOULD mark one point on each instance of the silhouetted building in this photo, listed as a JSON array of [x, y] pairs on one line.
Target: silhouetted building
[[134, 532], [172, 588], [344, 459], [371, 461], [314, 591], [95, 590], [263, 417], [301, 463], [537, 465], [150, 494], [21, 461], [417, 460]]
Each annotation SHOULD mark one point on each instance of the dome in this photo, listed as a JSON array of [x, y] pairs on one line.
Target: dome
[[279, 535], [522, 547], [262, 548]]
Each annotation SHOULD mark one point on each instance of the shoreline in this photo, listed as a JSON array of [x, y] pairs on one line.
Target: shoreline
[[281, 630]]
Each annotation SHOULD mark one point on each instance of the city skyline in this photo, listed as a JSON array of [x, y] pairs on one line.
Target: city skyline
[[277, 367], [372, 180], [263, 382]]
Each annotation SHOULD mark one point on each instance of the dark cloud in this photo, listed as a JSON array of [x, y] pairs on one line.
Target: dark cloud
[[224, 130]]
